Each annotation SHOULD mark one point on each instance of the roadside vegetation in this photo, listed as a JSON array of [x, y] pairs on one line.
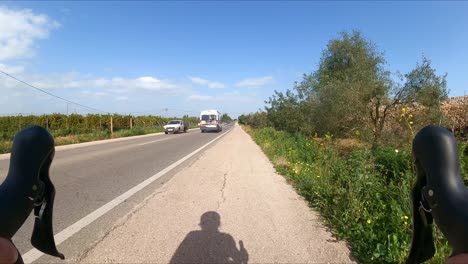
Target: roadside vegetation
[[342, 137], [74, 128]]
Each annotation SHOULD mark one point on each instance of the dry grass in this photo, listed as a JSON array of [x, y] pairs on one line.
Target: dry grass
[[65, 140], [347, 145], [280, 161], [247, 129]]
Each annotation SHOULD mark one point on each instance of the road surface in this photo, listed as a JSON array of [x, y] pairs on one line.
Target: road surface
[[229, 206], [88, 177]]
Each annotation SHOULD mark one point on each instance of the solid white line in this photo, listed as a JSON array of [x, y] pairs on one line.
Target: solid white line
[[34, 254], [154, 141]]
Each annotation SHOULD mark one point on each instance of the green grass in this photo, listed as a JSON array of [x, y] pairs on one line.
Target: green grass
[[363, 198]]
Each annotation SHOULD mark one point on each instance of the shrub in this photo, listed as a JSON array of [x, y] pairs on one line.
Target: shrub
[[392, 164], [363, 198]]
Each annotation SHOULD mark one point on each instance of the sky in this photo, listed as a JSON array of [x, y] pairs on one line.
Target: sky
[[181, 57]]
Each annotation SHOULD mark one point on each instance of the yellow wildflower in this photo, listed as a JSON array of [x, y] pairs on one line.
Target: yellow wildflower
[[411, 122], [403, 110], [369, 221]]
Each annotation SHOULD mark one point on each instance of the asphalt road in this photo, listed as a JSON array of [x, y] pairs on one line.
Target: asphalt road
[[88, 177], [238, 211]]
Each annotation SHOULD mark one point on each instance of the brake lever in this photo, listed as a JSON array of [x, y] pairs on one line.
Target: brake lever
[[28, 187], [439, 194]]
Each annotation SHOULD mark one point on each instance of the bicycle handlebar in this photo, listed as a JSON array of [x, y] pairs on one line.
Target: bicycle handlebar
[[439, 194], [27, 187]]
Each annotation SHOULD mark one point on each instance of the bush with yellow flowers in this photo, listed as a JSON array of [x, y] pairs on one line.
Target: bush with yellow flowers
[[363, 197]]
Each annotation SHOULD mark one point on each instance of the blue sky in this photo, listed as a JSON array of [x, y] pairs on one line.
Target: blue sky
[[142, 57]]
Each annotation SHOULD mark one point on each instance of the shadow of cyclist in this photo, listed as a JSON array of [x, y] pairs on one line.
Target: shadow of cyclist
[[208, 245]]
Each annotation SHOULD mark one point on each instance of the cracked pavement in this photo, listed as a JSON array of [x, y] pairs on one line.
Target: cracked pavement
[[228, 206]]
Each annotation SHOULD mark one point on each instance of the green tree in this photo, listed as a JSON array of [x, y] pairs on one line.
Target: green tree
[[284, 111], [350, 86], [341, 96], [426, 88], [255, 120], [226, 118], [351, 90]]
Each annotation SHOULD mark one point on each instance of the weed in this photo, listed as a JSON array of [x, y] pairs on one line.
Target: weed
[[363, 198]]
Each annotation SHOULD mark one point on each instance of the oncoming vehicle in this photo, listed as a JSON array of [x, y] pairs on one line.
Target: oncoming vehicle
[[210, 121], [175, 126]]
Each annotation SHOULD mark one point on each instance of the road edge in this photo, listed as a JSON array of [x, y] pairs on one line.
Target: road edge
[[96, 142]]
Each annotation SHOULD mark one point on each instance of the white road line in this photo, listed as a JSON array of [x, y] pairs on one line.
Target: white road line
[[154, 141], [68, 232]]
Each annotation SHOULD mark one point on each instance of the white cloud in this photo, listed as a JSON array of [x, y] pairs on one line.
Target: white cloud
[[121, 98], [256, 82], [107, 94], [124, 85], [227, 97], [150, 83], [198, 97], [19, 29], [119, 91], [92, 94], [11, 69], [76, 81], [210, 84]]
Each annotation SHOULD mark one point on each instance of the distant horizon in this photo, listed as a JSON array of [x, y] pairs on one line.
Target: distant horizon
[[185, 56]]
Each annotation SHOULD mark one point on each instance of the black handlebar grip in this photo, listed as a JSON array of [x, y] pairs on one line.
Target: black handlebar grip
[[28, 186], [439, 192]]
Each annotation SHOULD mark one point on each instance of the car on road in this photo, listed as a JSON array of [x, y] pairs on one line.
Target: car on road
[[210, 121], [175, 126]]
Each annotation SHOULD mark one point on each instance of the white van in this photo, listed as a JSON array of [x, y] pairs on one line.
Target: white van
[[210, 121]]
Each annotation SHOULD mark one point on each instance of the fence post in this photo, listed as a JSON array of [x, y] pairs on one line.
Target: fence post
[[131, 123], [111, 126]]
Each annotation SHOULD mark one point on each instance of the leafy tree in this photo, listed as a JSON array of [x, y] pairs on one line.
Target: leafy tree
[[226, 118], [340, 96], [284, 111], [351, 90], [423, 86], [350, 85], [256, 120]]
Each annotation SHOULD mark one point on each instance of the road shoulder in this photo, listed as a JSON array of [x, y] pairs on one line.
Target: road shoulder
[[227, 205]]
